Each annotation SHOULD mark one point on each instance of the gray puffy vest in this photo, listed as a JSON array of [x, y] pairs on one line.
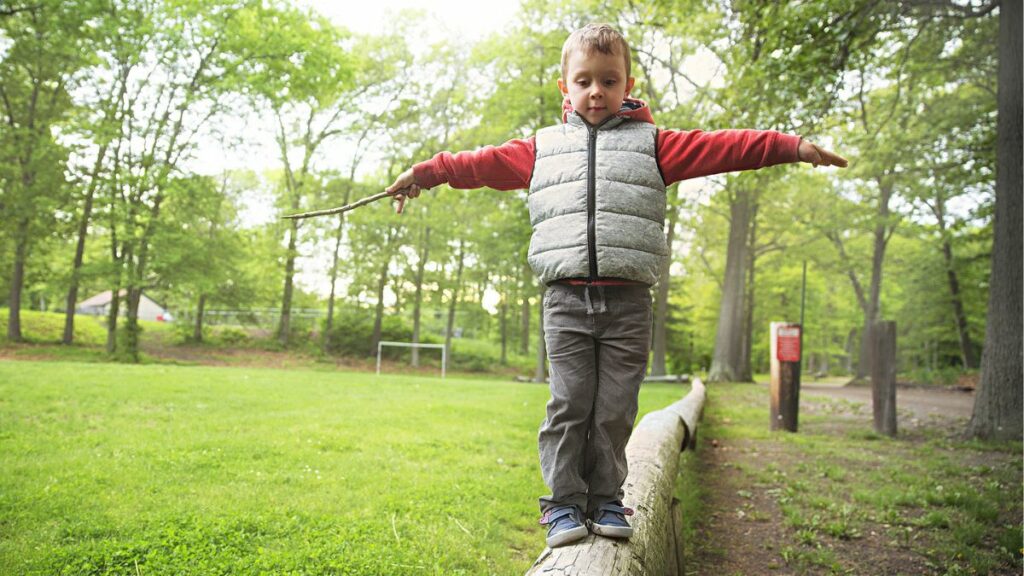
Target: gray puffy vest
[[597, 202]]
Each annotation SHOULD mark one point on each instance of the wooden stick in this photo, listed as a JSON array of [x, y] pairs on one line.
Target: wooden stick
[[339, 209]]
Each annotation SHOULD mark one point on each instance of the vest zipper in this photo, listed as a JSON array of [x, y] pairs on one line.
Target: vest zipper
[[592, 201]]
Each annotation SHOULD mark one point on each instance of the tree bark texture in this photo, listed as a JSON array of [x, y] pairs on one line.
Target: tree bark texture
[[653, 457], [725, 362], [998, 405]]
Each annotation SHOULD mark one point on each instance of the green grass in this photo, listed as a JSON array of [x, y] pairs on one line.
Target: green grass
[[956, 503], [48, 327], [157, 469]]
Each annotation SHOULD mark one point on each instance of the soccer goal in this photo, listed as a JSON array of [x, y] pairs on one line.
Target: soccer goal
[[444, 353]]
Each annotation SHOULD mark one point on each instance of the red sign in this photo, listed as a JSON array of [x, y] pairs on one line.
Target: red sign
[[787, 347]]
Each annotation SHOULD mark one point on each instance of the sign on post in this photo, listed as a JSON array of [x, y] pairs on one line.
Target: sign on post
[[788, 343], [785, 375]]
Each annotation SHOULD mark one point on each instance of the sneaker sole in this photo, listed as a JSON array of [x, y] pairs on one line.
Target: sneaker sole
[[612, 531], [568, 536]]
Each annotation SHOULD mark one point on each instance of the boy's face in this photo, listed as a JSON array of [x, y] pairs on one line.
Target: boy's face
[[596, 84]]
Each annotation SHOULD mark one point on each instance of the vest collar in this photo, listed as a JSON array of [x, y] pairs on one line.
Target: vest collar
[[575, 120], [632, 109]]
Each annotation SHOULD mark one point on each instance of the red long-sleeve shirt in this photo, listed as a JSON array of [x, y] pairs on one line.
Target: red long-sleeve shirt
[[681, 155]]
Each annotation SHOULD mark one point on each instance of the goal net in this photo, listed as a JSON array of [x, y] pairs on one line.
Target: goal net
[[444, 353]]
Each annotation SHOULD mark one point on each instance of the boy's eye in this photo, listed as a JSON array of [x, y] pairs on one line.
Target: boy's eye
[[581, 82], [609, 82]]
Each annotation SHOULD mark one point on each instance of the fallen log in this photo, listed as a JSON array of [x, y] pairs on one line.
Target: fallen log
[[653, 456]]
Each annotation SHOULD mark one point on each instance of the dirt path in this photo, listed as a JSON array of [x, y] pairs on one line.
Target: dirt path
[[803, 505], [912, 403]]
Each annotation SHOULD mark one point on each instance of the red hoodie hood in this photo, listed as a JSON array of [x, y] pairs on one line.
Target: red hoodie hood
[[632, 108]]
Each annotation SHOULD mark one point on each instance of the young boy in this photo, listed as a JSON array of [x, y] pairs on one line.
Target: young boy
[[597, 205]]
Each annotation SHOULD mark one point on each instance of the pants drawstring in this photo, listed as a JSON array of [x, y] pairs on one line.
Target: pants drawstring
[[590, 304]]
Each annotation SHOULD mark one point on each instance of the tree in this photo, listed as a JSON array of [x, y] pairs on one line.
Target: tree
[[50, 43], [122, 41], [998, 405]]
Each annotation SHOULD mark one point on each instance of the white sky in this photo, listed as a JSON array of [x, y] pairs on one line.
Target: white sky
[[468, 19]]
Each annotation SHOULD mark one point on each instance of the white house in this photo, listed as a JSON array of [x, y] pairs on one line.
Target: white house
[[99, 305]]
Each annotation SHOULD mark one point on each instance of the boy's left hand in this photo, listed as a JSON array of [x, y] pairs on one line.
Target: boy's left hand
[[818, 156]]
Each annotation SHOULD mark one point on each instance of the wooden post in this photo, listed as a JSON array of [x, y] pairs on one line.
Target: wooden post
[[883, 376], [785, 375]]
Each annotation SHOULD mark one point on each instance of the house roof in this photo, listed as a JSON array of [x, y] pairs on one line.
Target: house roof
[[103, 298]]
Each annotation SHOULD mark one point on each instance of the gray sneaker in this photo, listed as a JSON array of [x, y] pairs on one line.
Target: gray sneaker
[[565, 525], [610, 520]]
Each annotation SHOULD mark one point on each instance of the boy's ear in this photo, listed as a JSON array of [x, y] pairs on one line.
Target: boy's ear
[[562, 88], [629, 85]]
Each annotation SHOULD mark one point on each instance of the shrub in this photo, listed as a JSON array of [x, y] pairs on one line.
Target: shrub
[[353, 330]]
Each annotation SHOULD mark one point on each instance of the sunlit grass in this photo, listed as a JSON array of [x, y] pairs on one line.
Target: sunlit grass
[[155, 469]]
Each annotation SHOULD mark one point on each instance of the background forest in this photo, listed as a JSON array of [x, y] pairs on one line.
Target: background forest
[[108, 106]]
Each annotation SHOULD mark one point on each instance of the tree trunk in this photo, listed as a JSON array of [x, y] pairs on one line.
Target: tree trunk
[[745, 373], [115, 305], [329, 324], [17, 282], [378, 318], [725, 363], [998, 405], [131, 324], [881, 239], [418, 297], [967, 355], [284, 324], [197, 331], [76, 265], [659, 344], [966, 345], [452, 303]]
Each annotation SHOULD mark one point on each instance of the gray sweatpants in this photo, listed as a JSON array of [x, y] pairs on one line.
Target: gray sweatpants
[[598, 339]]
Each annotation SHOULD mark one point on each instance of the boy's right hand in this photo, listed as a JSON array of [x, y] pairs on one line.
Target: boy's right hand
[[404, 187]]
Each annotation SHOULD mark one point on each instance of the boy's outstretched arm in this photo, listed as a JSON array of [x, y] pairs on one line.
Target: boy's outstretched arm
[[505, 167], [691, 154]]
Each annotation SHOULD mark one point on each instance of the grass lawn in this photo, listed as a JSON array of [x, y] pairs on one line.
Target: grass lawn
[[160, 469]]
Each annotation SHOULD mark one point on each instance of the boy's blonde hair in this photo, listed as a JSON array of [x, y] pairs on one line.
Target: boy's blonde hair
[[600, 37]]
